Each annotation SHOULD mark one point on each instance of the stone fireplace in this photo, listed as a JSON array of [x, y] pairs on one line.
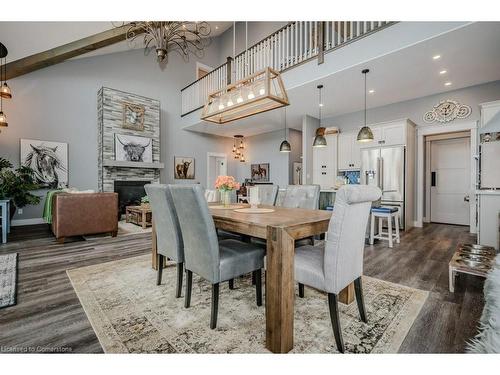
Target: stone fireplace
[[129, 193], [127, 178]]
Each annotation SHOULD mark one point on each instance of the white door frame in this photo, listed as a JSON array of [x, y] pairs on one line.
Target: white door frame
[[213, 155], [432, 130]]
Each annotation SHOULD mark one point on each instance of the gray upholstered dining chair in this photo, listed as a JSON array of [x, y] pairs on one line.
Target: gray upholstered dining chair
[[268, 194], [332, 267], [168, 232], [302, 196], [213, 260]]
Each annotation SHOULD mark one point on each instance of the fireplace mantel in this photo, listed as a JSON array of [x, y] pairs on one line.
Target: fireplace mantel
[[132, 164]]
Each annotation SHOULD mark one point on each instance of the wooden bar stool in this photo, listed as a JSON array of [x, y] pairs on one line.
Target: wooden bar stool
[[382, 213]]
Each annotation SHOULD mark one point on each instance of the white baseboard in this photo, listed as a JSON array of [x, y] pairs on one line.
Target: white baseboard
[[417, 224], [35, 221]]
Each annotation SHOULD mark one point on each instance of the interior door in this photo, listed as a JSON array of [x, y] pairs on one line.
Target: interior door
[[392, 171], [450, 180]]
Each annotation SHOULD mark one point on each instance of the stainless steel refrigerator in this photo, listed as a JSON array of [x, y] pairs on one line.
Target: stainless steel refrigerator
[[385, 167]]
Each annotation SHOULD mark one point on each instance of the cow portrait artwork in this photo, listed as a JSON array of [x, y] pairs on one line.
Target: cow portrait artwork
[[133, 148], [183, 168], [48, 160]]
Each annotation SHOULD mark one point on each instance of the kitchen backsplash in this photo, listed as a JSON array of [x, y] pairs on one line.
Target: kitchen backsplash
[[352, 176]]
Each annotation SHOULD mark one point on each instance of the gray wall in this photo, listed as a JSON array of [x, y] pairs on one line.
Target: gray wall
[[309, 126], [295, 139], [59, 103], [416, 108], [264, 148]]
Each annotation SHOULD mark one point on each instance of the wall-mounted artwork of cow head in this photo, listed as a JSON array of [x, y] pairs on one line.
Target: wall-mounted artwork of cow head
[[133, 148], [183, 168], [133, 116], [49, 161]]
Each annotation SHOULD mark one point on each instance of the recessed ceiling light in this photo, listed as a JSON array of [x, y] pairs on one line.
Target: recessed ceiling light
[[436, 57], [447, 84], [216, 27], [371, 91], [321, 104], [443, 72]]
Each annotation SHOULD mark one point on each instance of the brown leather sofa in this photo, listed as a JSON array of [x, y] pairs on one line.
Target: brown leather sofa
[[83, 214]]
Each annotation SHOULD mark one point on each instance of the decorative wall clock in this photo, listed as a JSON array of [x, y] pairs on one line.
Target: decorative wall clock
[[446, 111]]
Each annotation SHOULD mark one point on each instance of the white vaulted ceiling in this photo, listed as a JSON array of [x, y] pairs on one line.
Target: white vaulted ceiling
[[28, 38]]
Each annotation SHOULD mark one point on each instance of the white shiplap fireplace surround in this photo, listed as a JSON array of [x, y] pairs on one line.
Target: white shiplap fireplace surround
[[110, 122]]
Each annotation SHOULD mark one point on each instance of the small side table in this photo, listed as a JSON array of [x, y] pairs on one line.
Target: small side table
[[5, 212], [138, 215]]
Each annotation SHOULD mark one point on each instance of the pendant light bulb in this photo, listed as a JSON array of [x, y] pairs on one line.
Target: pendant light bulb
[[319, 139], [365, 133]]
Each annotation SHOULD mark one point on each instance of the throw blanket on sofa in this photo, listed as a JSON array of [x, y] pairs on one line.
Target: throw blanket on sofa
[[488, 339], [47, 208]]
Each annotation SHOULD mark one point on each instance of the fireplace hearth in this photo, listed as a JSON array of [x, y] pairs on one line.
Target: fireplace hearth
[[129, 193]]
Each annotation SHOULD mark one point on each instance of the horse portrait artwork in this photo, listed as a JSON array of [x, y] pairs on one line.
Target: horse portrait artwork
[[183, 168], [133, 148], [48, 160], [260, 172]]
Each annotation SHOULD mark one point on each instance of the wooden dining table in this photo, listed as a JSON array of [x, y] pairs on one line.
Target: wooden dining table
[[280, 228]]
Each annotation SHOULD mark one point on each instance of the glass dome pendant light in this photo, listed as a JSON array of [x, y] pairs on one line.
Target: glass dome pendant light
[[5, 91], [319, 139], [365, 133], [285, 145]]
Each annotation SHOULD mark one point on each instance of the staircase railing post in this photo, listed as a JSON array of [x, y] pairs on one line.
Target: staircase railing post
[[229, 70], [321, 42]]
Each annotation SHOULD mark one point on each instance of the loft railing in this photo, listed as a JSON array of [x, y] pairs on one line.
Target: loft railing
[[292, 45]]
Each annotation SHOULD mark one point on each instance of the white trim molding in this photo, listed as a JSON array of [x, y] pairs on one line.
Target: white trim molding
[[34, 221], [422, 132]]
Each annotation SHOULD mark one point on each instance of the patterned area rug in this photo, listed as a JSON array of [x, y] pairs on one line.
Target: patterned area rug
[[130, 314], [8, 279]]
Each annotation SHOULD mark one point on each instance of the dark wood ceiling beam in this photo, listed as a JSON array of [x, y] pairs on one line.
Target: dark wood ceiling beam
[[62, 53]]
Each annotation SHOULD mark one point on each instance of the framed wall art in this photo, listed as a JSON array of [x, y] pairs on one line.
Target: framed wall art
[[49, 161]]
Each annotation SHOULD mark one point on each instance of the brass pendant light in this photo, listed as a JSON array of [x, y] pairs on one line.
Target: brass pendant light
[[285, 145], [319, 139], [238, 150], [365, 133]]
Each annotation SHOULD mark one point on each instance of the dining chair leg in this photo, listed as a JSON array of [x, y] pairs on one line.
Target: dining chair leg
[[258, 286], [335, 318], [160, 268], [231, 284], [215, 305], [189, 286], [253, 278], [358, 289], [180, 272], [301, 290]]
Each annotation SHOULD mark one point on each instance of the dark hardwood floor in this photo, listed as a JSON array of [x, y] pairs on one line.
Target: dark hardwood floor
[[49, 317]]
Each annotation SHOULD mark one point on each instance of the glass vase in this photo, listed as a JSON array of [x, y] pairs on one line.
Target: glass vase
[[225, 196]]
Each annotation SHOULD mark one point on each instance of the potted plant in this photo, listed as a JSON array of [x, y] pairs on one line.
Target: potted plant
[[226, 184], [145, 202], [16, 185]]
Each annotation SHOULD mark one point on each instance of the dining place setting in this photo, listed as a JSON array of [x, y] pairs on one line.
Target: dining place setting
[[223, 241]]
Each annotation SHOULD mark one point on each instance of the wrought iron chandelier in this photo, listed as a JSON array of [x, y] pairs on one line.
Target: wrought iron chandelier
[[184, 37], [5, 92]]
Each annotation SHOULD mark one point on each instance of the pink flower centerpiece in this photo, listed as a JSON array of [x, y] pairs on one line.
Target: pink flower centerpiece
[[226, 184]]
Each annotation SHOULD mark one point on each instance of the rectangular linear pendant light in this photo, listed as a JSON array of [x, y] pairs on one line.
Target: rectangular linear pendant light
[[257, 93]]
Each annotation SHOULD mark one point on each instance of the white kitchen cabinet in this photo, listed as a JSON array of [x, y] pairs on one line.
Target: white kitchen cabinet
[[325, 163], [349, 152], [387, 134]]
